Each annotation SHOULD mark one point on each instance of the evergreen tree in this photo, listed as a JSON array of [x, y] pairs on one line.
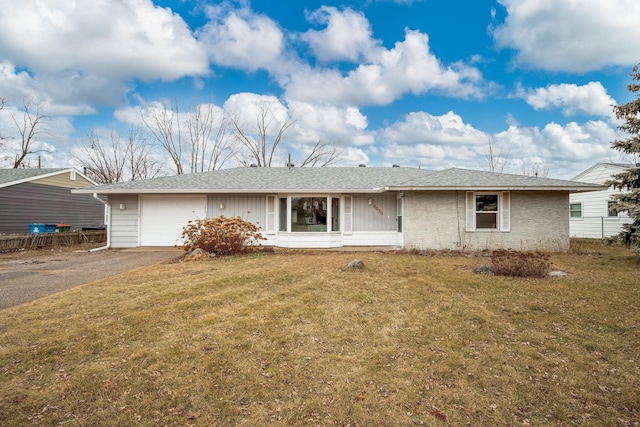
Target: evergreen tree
[[629, 180]]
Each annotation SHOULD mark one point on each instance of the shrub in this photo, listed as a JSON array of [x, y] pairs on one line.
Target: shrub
[[221, 235], [519, 264]]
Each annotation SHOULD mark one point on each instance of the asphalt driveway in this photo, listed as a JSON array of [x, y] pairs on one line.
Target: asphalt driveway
[[28, 276]]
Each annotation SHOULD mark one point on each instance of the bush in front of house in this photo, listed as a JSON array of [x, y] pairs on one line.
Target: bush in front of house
[[506, 262], [221, 235]]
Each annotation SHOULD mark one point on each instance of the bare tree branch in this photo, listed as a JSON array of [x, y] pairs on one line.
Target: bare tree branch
[[164, 125], [198, 152], [497, 161], [207, 153], [258, 144], [29, 127], [322, 155], [118, 159]]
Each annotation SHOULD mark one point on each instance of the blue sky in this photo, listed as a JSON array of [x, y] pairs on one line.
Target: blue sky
[[416, 83]]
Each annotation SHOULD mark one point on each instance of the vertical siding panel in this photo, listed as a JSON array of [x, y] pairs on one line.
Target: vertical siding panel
[[380, 215], [124, 233]]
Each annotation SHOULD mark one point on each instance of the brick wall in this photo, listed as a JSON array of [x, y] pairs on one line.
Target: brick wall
[[436, 220]]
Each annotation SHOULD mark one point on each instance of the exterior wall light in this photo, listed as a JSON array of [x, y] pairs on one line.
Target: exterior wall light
[[122, 206]]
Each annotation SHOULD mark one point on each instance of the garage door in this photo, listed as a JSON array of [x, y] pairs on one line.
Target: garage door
[[163, 217]]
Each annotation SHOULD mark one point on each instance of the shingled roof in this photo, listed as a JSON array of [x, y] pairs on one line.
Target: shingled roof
[[334, 180], [465, 179], [15, 176]]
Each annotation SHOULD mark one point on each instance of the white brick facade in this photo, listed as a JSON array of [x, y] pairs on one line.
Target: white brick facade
[[436, 220]]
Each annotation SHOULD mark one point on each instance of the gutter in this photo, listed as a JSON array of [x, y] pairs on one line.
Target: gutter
[[95, 196]]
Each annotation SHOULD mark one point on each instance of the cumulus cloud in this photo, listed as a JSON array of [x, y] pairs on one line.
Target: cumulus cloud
[[590, 99], [241, 39], [564, 149], [438, 142], [570, 35], [408, 67], [347, 35], [336, 125], [73, 55], [421, 128], [129, 38]]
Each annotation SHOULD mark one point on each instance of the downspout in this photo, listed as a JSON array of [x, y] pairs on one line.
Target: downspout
[[108, 207]]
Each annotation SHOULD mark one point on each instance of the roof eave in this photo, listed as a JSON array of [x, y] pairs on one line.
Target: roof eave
[[228, 191], [498, 188]]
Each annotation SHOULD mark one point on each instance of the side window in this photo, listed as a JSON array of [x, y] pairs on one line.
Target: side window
[[575, 210], [611, 208], [488, 211]]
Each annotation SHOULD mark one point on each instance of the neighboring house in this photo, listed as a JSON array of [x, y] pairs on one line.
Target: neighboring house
[[335, 207], [29, 196], [590, 213]]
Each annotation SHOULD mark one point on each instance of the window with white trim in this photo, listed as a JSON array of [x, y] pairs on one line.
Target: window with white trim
[[575, 210], [611, 208], [488, 211]]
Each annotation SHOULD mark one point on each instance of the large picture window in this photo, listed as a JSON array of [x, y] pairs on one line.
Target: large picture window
[[308, 214]]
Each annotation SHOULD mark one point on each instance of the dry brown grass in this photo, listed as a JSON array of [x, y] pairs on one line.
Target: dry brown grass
[[295, 338]]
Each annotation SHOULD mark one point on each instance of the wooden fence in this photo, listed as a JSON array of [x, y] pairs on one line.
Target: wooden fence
[[15, 242]]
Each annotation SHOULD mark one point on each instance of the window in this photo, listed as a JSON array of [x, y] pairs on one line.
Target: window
[[488, 211], [335, 214], [611, 208], [308, 214], [575, 210], [283, 214]]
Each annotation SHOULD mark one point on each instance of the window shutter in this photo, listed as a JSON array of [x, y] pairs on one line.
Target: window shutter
[[505, 212], [348, 215], [471, 211], [271, 215]]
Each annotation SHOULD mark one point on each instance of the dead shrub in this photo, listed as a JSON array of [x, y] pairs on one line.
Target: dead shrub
[[507, 262], [222, 235]]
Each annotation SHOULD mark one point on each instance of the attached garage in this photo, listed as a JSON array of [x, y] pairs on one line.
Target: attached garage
[[162, 218]]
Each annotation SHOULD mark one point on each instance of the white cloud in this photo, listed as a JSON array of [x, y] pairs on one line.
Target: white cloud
[[241, 39], [574, 36], [336, 125], [432, 142], [591, 99], [438, 142], [348, 35], [123, 39], [408, 67], [53, 136], [564, 150], [420, 128]]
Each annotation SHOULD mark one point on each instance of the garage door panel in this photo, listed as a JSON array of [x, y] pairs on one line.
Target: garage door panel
[[162, 218]]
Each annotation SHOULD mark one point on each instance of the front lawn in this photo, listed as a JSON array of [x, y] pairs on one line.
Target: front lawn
[[295, 338]]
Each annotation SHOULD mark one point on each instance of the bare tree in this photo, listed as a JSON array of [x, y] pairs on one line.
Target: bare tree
[[259, 141], [29, 127], [208, 151], [2, 137], [496, 160], [322, 154], [200, 144], [164, 125], [117, 159]]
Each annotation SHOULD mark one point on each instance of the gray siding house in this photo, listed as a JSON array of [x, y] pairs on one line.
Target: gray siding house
[[335, 207], [30, 196]]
